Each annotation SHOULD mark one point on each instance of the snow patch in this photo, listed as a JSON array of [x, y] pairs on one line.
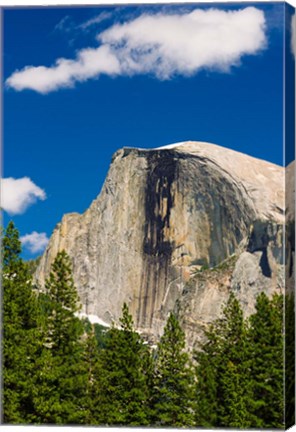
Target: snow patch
[[170, 146], [93, 319]]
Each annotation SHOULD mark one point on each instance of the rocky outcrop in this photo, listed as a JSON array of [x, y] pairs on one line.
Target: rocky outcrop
[[290, 229], [256, 267], [176, 228]]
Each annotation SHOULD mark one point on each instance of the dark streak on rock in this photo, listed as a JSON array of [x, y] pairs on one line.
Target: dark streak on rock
[[157, 249], [290, 246], [262, 237], [291, 266], [264, 264]]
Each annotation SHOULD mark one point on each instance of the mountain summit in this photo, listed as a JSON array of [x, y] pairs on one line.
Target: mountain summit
[[176, 228]]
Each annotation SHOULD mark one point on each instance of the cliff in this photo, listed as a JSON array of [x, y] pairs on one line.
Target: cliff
[[177, 228]]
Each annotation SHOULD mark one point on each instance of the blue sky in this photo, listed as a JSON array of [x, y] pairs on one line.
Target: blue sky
[[119, 83]]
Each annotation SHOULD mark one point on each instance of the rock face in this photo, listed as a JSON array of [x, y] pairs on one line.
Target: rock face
[[176, 228]]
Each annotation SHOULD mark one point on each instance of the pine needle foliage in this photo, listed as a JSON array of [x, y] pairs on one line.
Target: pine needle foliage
[[223, 387], [21, 333], [61, 370], [172, 400], [124, 381], [92, 371], [267, 362], [240, 368], [289, 360]]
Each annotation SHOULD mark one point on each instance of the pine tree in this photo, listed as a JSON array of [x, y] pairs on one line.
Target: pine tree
[[289, 360], [223, 390], [267, 369], [61, 381], [124, 390], [172, 400], [209, 359], [234, 371], [92, 378], [21, 336]]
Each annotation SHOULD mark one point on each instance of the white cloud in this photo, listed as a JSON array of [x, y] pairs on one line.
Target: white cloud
[[183, 44], [293, 34], [18, 194], [35, 242], [160, 44], [89, 63]]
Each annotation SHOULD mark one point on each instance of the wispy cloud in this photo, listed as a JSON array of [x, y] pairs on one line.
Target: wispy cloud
[[18, 194], [103, 16], [275, 16], [65, 24], [68, 25], [35, 242], [160, 44]]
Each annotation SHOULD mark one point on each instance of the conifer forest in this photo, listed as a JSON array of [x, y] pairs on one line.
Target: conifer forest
[[62, 370]]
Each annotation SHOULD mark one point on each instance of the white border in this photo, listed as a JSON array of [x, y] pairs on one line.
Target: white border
[[116, 2], [59, 3]]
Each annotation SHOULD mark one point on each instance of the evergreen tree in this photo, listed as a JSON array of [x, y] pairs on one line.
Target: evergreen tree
[[209, 359], [289, 360], [223, 390], [234, 370], [61, 382], [92, 378], [172, 400], [267, 369], [21, 336], [124, 390]]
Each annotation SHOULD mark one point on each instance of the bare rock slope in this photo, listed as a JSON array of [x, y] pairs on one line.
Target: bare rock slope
[[176, 228]]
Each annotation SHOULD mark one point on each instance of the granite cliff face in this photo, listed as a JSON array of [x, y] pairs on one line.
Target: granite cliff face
[[176, 228]]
